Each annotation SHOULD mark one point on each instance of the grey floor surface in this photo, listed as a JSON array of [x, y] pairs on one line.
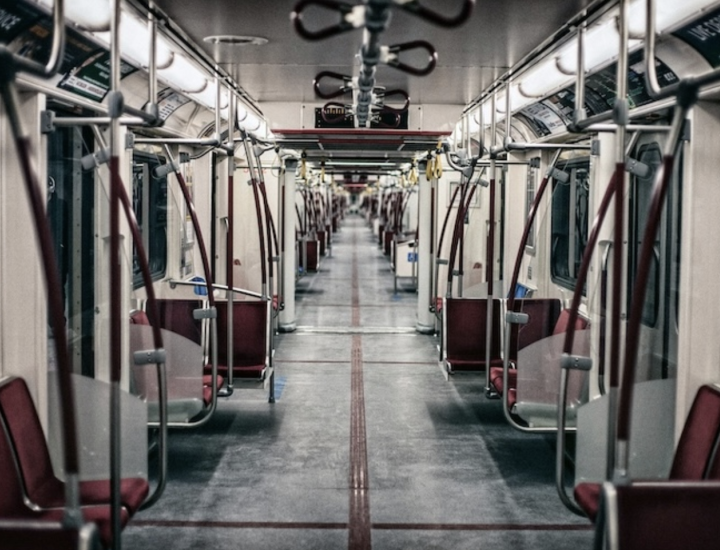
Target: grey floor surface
[[445, 470]]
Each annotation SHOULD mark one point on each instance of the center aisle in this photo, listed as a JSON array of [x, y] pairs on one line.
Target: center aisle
[[367, 445]]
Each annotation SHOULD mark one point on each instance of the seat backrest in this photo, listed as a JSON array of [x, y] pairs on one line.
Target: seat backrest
[[542, 314], [467, 328], [177, 316], [11, 497], [699, 437], [250, 326], [139, 317], [561, 325], [27, 437]]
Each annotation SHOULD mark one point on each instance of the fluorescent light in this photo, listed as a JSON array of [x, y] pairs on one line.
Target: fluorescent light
[[602, 42], [251, 123], [668, 14], [242, 112], [543, 78], [92, 15], [209, 95], [135, 43], [184, 75]]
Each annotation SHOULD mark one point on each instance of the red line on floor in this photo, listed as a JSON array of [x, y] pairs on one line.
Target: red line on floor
[[482, 527], [378, 526], [359, 534], [237, 524]]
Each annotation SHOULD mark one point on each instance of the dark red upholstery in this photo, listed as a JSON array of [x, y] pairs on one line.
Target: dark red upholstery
[[539, 311], [177, 316], [12, 505], [668, 516], [438, 305], [249, 338], [699, 437], [695, 456], [496, 378], [275, 302], [466, 322], [562, 323], [542, 314], [28, 440], [587, 495]]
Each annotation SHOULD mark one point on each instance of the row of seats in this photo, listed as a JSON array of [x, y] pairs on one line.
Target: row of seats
[[463, 347], [29, 489]]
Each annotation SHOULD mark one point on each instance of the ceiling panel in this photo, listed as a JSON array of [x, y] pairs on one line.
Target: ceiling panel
[[499, 33]]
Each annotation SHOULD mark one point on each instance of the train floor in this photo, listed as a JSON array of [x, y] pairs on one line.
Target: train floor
[[367, 445]]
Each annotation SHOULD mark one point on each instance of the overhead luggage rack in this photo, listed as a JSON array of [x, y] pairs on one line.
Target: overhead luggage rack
[[336, 143]]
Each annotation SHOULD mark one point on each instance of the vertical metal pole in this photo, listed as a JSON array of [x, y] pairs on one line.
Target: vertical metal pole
[[230, 243], [152, 107], [287, 315], [425, 319], [615, 455], [115, 106], [490, 256]]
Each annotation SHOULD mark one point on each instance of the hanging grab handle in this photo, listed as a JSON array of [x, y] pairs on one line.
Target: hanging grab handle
[[348, 20], [390, 57], [333, 118], [342, 90], [401, 93], [416, 8], [382, 123]]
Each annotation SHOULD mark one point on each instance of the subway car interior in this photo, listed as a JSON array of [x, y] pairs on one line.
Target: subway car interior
[[388, 274]]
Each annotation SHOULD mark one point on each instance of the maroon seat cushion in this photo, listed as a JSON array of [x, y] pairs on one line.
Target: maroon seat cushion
[[496, 378], [28, 440], [587, 495], [693, 454], [466, 333], [699, 435]]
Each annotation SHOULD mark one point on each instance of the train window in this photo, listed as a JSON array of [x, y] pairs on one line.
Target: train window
[[71, 212], [640, 197], [150, 199], [569, 221]]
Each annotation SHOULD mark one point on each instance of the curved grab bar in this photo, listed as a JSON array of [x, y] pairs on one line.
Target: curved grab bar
[[686, 98], [342, 90], [526, 231], [392, 59], [154, 319], [440, 244], [416, 8], [211, 297], [73, 516], [173, 283], [382, 124], [343, 26], [57, 48], [570, 335]]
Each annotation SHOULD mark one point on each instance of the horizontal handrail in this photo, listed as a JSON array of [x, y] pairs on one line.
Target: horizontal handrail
[[173, 283]]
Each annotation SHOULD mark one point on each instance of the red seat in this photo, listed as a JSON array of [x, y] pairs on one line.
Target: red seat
[[177, 316], [540, 312], [41, 485], [665, 515], [496, 378], [250, 328], [695, 458], [465, 334], [30, 452]]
